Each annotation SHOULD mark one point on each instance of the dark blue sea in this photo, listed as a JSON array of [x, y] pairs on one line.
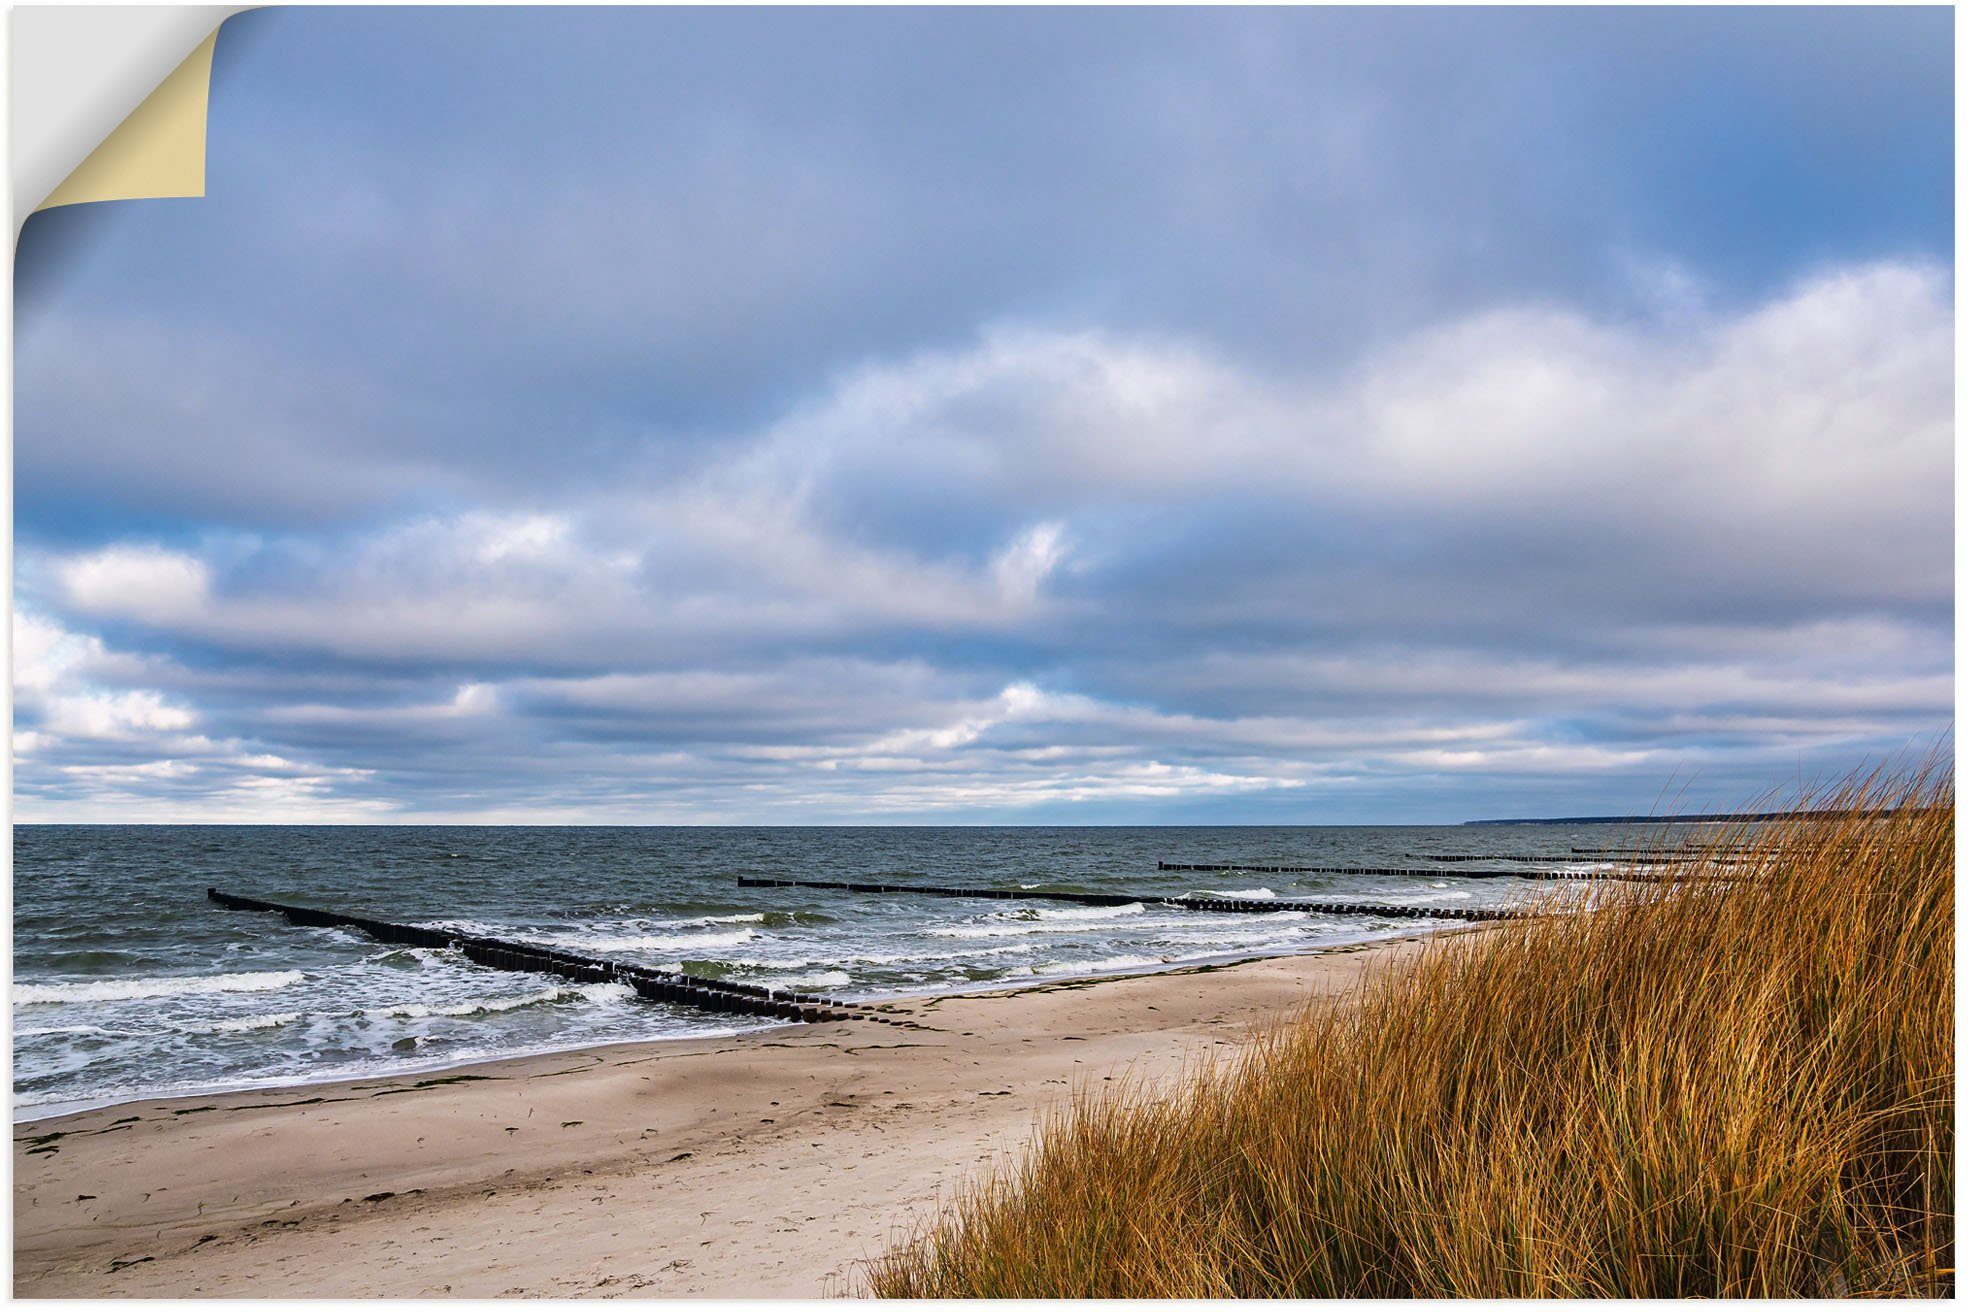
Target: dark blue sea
[[129, 983]]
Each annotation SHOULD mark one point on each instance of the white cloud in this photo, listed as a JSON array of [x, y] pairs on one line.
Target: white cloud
[[146, 583], [1028, 560], [45, 653], [474, 699], [518, 537], [130, 714], [1057, 568], [124, 774], [1799, 450]]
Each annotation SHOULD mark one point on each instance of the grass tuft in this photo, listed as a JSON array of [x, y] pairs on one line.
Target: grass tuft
[[1666, 1090]]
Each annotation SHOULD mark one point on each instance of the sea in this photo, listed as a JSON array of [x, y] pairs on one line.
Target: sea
[[129, 983]]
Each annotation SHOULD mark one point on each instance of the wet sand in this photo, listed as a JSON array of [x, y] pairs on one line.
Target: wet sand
[[763, 1166]]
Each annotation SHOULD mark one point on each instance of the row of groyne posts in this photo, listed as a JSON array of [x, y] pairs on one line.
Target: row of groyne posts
[[1184, 902], [732, 996], [674, 987]]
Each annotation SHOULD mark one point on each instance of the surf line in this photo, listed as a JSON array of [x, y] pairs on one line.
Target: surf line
[[1239, 905], [721, 995]]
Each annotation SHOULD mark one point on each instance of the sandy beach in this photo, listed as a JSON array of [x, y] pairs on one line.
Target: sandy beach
[[767, 1165]]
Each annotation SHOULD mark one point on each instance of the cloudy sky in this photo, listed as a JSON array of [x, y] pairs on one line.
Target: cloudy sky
[[885, 416]]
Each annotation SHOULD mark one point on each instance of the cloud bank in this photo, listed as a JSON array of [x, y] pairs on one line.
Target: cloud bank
[[683, 493]]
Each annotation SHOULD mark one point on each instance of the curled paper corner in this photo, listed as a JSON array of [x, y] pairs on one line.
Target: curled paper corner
[[158, 151], [108, 104]]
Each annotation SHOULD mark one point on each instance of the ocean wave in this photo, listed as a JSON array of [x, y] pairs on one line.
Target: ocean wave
[[169, 986], [963, 954], [1020, 928], [650, 942], [1409, 899], [1102, 966], [1254, 894], [379, 1064], [492, 1006], [49, 1030], [239, 1024], [1091, 913], [825, 979], [625, 936], [847, 958]]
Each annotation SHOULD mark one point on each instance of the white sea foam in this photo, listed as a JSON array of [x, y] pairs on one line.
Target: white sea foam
[[1407, 899], [1091, 913], [919, 957], [1102, 966], [1079, 920], [169, 986], [239, 1024], [1254, 894], [651, 942], [825, 979], [645, 936], [44, 1030], [492, 1006], [1020, 928]]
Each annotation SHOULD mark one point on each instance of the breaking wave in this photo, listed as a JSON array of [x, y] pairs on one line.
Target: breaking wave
[[168, 986]]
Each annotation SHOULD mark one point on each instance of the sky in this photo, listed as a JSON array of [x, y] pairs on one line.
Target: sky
[[895, 416]]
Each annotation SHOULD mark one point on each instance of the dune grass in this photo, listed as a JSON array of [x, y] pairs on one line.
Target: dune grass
[[1722, 1089]]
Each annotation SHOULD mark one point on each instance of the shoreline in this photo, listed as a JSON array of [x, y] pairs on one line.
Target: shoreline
[[36, 1116], [762, 1164]]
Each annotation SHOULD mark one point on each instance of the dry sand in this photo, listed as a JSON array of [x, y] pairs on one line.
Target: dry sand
[[765, 1166]]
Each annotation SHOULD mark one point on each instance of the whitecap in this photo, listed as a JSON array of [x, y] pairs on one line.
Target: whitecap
[[653, 942], [1007, 929], [825, 979], [1408, 899], [1253, 894], [1044, 923], [44, 1030], [492, 1006], [169, 986], [239, 1024], [1092, 913], [1103, 966]]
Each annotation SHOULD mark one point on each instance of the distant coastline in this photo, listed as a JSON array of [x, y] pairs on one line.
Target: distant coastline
[[1717, 818]]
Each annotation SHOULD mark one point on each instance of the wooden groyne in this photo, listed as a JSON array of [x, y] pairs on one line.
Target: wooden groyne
[[718, 995], [1581, 854], [1545, 857], [1419, 872], [1246, 868], [1655, 856], [1242, 905]]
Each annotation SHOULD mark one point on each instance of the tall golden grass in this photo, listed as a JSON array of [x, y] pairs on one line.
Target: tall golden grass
[[1723, 1089]]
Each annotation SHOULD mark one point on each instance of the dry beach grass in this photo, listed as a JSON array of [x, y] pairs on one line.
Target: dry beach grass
[[1723, 1089]]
